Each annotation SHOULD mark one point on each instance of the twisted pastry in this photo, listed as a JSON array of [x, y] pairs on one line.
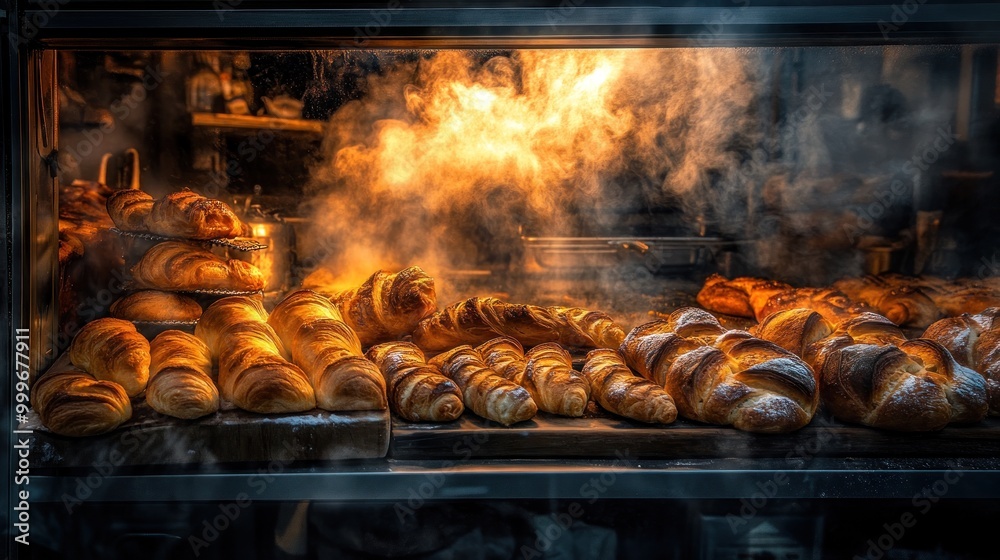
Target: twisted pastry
[[903, 305], [739, 380], [552, 383], [758, 298], [130, 209], [254, 373], [189, 215], [180, 266], [418, 391], [73, 403], [974, 341], [112, 350], [621, 392], [180, 376], [329, 351], [387, 306], [484, 392], [478, 319]]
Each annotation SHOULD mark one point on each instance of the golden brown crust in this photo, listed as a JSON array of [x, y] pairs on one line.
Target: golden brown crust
[[254, 373], [330, 353], [917, 386], [180, 266], [73, 403], [479, 319], [483, 391], [154, 305], [180, 376], [552, 383], [758, 298], [621, 392], [387, 306], [130, 209], [738, 380], [112, 350], [974, 341], [187, 214], [902, 304], [418, 391]]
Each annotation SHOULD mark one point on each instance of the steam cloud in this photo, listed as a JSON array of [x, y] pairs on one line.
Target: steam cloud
[[450, 153]]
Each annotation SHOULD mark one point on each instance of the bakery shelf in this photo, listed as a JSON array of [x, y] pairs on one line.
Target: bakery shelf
[[250, 122]]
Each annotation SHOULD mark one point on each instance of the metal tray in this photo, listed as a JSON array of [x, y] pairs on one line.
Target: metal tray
[[239, 243], [655, 253]]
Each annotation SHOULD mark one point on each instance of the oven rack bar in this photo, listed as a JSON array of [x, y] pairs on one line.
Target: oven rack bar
[[388, 480]]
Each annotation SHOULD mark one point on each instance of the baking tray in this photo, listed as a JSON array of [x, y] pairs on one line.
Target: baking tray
[[655, 253], [239, 243]]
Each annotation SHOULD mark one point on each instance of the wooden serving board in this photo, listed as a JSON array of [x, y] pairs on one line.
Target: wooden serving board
[[228, 436], [601, 435]]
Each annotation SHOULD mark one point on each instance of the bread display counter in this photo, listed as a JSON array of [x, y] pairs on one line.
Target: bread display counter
[[529, 280]]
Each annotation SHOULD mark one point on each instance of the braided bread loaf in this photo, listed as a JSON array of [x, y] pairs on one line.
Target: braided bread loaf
[[870, 374], [417, 390], [974, 341], [737, 380]]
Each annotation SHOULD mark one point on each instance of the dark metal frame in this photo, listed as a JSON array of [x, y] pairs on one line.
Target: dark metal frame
[[94, 24]]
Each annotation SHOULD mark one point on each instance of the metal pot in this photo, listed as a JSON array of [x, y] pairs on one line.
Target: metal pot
[[275, 261]]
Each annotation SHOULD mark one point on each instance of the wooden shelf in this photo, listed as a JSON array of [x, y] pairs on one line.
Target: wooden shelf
[[250, 122]]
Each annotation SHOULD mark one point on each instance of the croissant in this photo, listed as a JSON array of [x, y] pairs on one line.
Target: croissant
[[387, 306], [621, 392], [189, 215], [484, 392], [477, 320], [916, 386], [130, 209], [739, 380], [505, 356], [156, 306], [903, 305], [73, 403], [254, 373], [180, 376], [417, 390], [552, 383], [974, 341], [180, 266], [112, 350], [323, 345]]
